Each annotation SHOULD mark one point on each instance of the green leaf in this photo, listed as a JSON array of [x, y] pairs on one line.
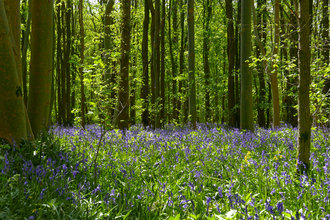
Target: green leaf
[[127, 215], [177, 217]]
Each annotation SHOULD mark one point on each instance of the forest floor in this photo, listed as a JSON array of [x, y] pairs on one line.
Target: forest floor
[[173, 173]]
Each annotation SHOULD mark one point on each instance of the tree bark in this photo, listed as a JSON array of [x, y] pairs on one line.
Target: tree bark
[[206, 47], [155, 57], [180, 100], [304, 121], [12, 109], [162, 65], [67, 63], [273, 77], [145, 87], [82, 57], [246, 73], [123, 97], [191, 62], [41, 65], [231, 60]]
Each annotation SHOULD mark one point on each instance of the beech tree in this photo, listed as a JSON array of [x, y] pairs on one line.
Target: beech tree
[[41, 65], [246, 116], [231, 56], [304, 120], [145, 87], [82, 57], [191, 62], [123, 97], [14, 122]]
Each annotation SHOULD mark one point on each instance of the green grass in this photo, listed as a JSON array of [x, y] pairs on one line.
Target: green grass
[[173, 173]]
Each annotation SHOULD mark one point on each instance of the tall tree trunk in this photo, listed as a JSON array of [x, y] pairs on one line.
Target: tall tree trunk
[[292, 102], [123, 97], [132, 97], [109, 77], [145, 87], [40, 65], [12, 109], [238, 61], [273, 77], [63, 67], [82, 57], [191, 62], [246, 73], [231, 57], [155, 57], [152, 66], [162, 64], [173, 60], [180, 104], [67, 59], [206, 47], [304, 121], [58, 63]]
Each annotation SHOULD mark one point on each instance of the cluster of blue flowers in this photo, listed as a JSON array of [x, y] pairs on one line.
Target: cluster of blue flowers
[[212, 172]]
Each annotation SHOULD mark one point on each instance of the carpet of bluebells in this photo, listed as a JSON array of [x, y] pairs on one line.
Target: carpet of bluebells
[[173, 173]]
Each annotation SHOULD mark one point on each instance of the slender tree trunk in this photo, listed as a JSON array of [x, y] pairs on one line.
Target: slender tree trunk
[[109, 77], [172, 41], [304, 121], [123, 96], [145, 87], [292, 102], [155, 61], [40, 65], [238, 62], [67, 58], [63, 67], [134, 72], [152, 66], [58, 64], [206, 47], [82, 57], [73, 65], [231, 59], [273, 78], [191, 62], [180, 102], [286, 72], [162, 64], [246, 73]]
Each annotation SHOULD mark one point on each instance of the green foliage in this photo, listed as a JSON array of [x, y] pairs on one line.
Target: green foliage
[[162, 174]]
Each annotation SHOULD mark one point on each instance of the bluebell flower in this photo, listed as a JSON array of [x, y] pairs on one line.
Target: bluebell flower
[[97, 189], [42, 194], [208, 200], [192, 187], [220, 191], [280, 207]]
